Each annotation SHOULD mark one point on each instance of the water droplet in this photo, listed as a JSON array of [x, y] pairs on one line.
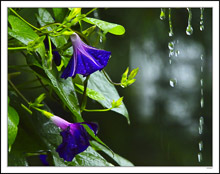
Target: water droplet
[[200, 157], [162, 14], [201, 68], [201, 57], [202, 102], [189, 30], [201, 92], [201, 82], [200, 145], [201, 26], [177, 53], [170, 24], [100, 39], [171, 45], [200, 130], [201, 20], [173, 82], [201, 120], [170, 61]]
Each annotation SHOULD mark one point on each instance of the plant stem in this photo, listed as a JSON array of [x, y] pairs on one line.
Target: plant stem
[[19, 93], [17, 48], [23, 19], [91, 11], [97, 110], [84, 97], [117, 84]]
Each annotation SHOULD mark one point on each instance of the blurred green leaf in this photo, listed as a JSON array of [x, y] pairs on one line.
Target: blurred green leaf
[[20, 30], [59, 14], [99, 83], [120, 160], [91, 93], [106, 26], [13, 120]]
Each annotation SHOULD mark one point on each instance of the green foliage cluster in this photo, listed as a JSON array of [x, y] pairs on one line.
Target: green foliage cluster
[[35, 134]]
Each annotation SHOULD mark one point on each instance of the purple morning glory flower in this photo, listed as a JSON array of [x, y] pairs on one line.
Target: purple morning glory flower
[[56, 55], [75, 137], [85, 59]]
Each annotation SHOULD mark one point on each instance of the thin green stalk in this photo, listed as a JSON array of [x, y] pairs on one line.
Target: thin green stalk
[[117, 84], [91, 11], [84, 97], [97, 110], [19, 93], [17, 48], [23, 19]]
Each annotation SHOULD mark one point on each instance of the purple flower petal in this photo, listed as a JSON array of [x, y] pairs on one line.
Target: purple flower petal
[[75, 141], [85, 60], [63, 124]]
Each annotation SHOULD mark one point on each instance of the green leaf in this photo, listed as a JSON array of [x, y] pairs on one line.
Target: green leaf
[[59, 14], [20, 30], [13, 120], [106, 26], [65, 90], [120, 160], [87, 158], [99, 83], [91, 93]]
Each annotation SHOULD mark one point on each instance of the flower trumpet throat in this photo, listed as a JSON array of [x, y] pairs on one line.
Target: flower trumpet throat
[[85, 59]]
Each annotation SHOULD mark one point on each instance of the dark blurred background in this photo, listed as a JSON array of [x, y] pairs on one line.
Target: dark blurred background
[[164, 129]]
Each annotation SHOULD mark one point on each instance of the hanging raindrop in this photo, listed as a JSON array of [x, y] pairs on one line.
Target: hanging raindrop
[[173, 82], [200, 157], [170, 24], [201, 92], [177, 53], [100, 39], [202, 102], [162, 14], [200, 145], [201, 20], [171, 45], [201, 82], [170, 61], [189, 29], [201, 122]]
